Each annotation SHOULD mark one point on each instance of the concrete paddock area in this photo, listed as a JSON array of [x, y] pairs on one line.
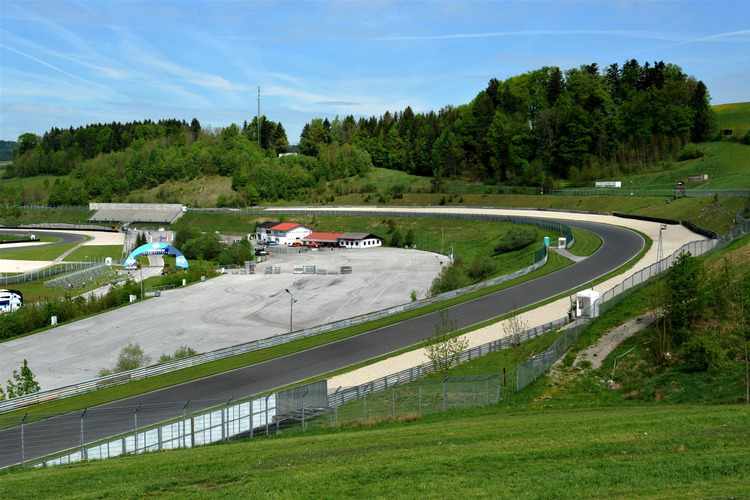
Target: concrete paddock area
[[228, 310]]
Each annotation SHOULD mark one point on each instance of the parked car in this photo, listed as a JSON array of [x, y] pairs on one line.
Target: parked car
[[261, 252], [271, 243]]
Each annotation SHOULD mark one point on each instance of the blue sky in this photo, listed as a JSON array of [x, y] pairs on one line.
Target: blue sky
[[78, 62]]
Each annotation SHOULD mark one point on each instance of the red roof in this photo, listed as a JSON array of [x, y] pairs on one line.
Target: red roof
[[285, 226], [332, 237]]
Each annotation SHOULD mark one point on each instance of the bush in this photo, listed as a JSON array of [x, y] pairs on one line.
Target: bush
[[690, 152], [481, 268], [450, 278], [397, 239], [183, 351], [516, 238], [130, 358]]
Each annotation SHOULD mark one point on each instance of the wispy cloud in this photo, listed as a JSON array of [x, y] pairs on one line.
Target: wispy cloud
[[89, 83], [499, 34]]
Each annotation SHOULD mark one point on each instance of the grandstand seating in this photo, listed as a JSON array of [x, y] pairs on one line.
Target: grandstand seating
[[96, 273], [135, 212]]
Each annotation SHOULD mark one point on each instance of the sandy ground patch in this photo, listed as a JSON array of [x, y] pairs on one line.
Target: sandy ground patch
[[607, 343]]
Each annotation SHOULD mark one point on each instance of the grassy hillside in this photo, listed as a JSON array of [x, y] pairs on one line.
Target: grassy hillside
[[734, 116], [495, 452]]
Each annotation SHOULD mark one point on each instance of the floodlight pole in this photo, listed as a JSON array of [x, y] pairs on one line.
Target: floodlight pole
[[291, 309], [660, 248]]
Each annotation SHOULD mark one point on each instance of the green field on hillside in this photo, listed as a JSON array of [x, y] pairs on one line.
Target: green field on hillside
[[734, 116], [654, 451]]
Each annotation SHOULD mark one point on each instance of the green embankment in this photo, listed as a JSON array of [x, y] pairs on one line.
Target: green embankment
[[494, 452]]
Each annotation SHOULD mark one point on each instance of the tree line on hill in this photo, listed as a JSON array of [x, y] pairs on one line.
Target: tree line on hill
[[580, 124], [530, 129], [107, 162], [6, 150]]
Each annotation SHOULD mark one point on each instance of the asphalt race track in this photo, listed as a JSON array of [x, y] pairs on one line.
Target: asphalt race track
[[44, 437], [65, 238]]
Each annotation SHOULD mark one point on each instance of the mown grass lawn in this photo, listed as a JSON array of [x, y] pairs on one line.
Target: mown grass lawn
[[95, 252], [43, 253], [656, 451]]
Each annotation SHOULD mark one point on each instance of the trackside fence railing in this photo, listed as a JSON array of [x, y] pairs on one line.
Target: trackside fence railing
[[87, 434], [47, 272], [169, 366]]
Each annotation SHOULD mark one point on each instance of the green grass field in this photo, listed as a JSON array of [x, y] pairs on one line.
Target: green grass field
[[37, 253], [95, 252], [734, 116], [655, 451]]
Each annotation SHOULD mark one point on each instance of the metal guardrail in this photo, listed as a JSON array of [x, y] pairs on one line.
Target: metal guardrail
[[670, 193]]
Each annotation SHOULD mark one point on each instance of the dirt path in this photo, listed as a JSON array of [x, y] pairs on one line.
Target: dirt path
[[605, 345]]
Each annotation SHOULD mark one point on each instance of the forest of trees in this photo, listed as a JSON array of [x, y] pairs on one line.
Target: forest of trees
[[579, 125], [6, 150], [576, 125]]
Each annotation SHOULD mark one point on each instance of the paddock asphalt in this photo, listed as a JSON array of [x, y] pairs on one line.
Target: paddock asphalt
[[228, 310]]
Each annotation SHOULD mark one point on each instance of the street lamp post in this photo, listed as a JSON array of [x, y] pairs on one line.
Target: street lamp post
[[291, 309]]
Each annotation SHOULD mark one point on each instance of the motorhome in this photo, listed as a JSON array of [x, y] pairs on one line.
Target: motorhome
[[10, 300]]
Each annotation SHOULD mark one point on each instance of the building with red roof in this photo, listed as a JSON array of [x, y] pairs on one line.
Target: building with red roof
[[287, 233], [328, 239]]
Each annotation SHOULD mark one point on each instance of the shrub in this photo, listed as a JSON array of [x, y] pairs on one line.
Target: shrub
[[131, 357], [516, 238], [690, 152], [450, 278], [183, 351]]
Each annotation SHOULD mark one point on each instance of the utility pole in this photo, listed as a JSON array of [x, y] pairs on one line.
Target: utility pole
[[258, 115]]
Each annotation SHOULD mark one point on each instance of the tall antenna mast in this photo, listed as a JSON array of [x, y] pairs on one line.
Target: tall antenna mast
[[258, 115]]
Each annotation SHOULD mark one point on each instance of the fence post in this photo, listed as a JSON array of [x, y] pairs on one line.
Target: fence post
[[251, 411], [184, 430], [83, 452], [23, 443], [459, 391], [226, 436], [393, 401], [336, 406], [135, 429], [473, 394], [303, 408], [444, 401], [420, 397]]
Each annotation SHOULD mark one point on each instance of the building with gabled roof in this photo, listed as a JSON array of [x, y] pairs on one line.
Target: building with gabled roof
[[287, 233], [262, 229], [359, 240], [323, 238]]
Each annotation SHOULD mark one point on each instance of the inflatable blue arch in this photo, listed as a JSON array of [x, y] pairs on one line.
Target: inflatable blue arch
[[156, 249]]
